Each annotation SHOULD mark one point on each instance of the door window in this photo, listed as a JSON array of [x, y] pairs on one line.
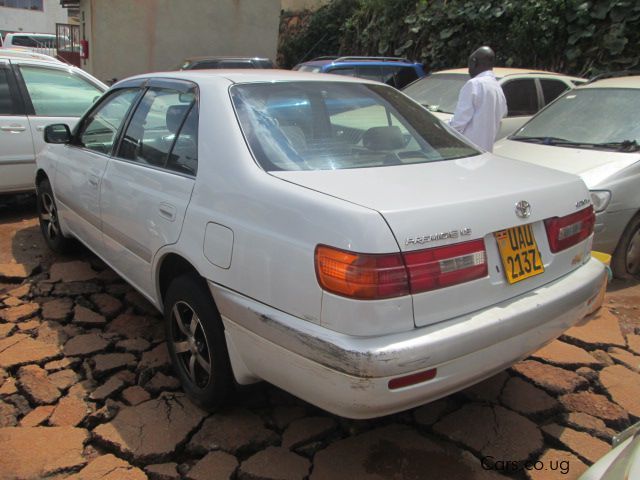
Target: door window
[[370, 72], [58, 93], [155, 126], [552, 89], [184, 155], [399, 77], [7, 101], [100, 129], [348, 71], [522, 97]]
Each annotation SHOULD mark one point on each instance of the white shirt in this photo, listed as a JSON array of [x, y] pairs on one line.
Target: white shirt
[[481, 106]]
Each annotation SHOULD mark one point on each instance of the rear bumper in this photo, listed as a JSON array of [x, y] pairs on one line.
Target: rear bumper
[[349, 375]]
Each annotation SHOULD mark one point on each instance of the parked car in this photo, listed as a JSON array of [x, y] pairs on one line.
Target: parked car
[[28, 54], [323, 233], [33, 94], [29, 40], [200, 63], [622, 462], [594, 131], [526, 91], [394, 71]]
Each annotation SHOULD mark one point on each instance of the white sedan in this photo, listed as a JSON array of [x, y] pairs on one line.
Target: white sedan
[[322, 233]]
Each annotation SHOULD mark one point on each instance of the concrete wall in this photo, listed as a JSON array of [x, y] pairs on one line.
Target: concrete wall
[[128, 37], [297, 5], [21, 20]]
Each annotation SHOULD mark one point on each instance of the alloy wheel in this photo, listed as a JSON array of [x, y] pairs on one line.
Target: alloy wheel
[[49, 216], [190, 344], [632, 259]]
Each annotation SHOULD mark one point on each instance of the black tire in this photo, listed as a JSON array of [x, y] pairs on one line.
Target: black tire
[[48, 218], [626, 259], [194, 344]]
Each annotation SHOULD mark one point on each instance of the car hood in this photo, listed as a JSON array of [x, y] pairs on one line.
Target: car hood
[[594, 166]]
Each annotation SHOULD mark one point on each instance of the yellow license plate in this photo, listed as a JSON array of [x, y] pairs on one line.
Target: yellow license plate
[[519, 253]]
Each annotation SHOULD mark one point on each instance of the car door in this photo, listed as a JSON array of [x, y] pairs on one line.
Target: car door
[[80, 167], [54, 94], [147, 185], [17, 160], [522, 104]]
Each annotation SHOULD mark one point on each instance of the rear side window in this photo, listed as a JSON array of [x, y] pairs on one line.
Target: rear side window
[[99, 130], [522, 97], [399, 77], [58, 93], [347, 71], [552, 89], [155, 127], [370, 72]]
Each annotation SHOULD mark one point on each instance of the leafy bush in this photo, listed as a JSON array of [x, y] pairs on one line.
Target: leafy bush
[[573, 36]]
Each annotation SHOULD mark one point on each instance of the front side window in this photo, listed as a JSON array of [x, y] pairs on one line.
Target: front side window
[[154, 129], [336, 125], [346, 71], [370, 72], [522, 97], [399, 77], [99, 130], [7, 104], [438, 92], [58, 93], [599, 118]]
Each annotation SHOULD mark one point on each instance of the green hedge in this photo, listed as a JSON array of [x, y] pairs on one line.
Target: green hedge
[[572, 36]]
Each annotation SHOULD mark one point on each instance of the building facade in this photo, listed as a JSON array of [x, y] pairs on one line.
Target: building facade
[[33, 16], [128, 37]]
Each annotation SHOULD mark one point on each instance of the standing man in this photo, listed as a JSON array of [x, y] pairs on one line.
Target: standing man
[[481, 103]]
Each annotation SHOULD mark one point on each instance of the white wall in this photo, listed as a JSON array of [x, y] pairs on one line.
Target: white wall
[[21, 20]]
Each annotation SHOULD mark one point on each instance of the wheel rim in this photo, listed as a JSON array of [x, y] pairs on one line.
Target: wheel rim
[[632, 259], [190, 344], [49, 217]]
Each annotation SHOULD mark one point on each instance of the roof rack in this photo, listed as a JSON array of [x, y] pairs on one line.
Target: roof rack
[[605, 75], [380, 59]]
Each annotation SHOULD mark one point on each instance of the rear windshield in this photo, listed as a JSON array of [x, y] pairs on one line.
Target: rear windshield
[[335, 125]]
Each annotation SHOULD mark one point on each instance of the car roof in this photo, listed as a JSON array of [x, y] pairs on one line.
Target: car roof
[[249, 76], [214, 57], [632, 81], [16, 53], [501, 72], [320, 62]]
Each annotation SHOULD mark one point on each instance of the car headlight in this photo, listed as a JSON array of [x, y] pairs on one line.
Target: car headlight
[[600, 199]]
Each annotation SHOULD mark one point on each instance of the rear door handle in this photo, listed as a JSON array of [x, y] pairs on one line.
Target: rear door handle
[[168, 211], [13, 128]]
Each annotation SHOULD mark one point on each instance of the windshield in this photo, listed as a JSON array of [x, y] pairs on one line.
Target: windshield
[[335, 125], [606, 118], [439, 92]]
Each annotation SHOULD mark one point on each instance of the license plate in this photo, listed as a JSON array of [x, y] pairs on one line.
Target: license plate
[[519, 253]]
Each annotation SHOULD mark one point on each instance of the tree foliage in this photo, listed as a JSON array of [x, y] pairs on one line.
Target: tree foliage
[[573, 36]]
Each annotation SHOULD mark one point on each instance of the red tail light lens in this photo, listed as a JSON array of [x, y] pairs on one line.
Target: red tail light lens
[[371, 277], [445, 266], [361, 276], [565, 232]]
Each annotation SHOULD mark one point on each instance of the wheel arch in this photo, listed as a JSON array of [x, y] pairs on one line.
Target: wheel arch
[[40, 176], [170, 266]]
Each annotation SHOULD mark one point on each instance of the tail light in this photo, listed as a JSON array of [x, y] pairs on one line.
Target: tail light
[[373, 277], [565, 232]]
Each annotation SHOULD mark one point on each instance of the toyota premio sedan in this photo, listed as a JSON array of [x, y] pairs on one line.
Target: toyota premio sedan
[[322, 233]]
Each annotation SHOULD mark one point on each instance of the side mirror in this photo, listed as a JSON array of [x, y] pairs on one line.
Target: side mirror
[[57, 133]]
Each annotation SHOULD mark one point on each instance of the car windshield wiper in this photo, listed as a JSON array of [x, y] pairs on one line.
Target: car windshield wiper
[[543, 140], [623, 146]]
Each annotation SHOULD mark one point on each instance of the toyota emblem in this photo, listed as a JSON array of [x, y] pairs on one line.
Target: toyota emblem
[[523, 209]]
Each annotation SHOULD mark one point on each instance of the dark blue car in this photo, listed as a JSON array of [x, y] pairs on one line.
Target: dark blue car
[[397, 72]]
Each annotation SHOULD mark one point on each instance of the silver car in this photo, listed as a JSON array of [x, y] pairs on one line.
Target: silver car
[[594, 131]]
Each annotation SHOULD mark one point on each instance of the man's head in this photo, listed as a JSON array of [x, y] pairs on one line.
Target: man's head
[[481, 60]]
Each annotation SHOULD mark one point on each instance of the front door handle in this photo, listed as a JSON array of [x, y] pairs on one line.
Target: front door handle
[[13, 128], [93, 180], [167, 210]]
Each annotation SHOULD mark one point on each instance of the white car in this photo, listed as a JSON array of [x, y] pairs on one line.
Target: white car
[[526, 91], [322, 233], [35, 92], [594, 131]]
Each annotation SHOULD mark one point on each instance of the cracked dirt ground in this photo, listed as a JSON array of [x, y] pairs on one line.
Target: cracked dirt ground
[[87, 392]]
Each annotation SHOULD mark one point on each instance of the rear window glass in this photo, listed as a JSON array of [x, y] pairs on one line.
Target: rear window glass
[[336, 125]]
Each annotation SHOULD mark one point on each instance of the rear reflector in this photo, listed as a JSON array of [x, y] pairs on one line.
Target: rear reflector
[[371, 277], [412, 379], [565, 232]]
